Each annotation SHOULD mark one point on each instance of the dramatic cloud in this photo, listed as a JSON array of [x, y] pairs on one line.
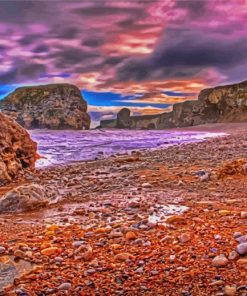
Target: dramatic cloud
[[185, 56], [145, 49]]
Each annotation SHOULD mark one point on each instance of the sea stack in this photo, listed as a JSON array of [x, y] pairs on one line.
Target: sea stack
[[17, 150], [52, 106]]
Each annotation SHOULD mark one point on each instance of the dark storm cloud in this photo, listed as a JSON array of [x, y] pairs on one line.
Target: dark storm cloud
[[184, 56], [112, 61], [93, 42], [193, 50], [22, 70], [104, 9], [196, 8], [42, 30], [28, 39], [41, 48], [70, 56], [22, 12], [69, 33], [128, 22], [3, 48], [112, 41]]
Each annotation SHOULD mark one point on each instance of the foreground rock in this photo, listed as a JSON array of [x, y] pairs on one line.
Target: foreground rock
[[27, 197], [220, 104], [17, 150], [53, 106]]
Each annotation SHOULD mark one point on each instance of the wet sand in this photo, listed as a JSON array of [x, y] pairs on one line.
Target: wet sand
[[149, 223]]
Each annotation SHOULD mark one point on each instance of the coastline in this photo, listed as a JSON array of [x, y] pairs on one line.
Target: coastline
[[177, 256]]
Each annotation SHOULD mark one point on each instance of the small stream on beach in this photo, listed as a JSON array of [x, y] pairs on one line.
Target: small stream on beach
[[60, 147]]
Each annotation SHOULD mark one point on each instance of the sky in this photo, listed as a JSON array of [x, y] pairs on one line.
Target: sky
[[142, 54]]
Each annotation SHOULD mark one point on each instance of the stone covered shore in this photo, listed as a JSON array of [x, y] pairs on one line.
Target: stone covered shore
[[164, 222]]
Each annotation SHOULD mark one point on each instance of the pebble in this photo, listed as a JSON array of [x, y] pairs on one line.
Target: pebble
[[184, 238], [19, 254], [85, 252], [243, 287], [175, 220], [134, 204], [233, 255], [58, 259], [154, 272], [200, 173], [141, 262], [130, 235], [230, 291], [242, 263], [243, 215], [242, 239], [237, 234], [146, 244], [205, 177], [50, 251], [225, 212], [123, 257], [89, 271], [166, 239], [172, 258], [115, 234], [217, 283], [77, 244], [245, 168], [242, 249], [139, 270], [220, 261], [65, 286], [2, 250], [146, 185]]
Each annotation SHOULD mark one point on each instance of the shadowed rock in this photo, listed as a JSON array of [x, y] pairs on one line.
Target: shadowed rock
[[17, 150], [27, 197], [53, 106], [123, 118]]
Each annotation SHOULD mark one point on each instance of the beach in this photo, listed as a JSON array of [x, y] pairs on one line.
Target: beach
[[164, 221]]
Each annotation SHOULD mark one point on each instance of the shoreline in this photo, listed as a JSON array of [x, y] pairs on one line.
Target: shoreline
[[195, 134], [105, 213]]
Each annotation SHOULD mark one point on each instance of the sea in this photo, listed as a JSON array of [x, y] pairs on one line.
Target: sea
[[67, 146]]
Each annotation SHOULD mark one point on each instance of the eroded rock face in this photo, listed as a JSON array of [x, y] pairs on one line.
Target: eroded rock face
[[53, 106], [17, 150], [220, 104]]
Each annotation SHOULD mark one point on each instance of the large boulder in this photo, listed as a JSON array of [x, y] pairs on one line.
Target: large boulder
[[23, 198], [53, 106], [17, 150], [28, 197]]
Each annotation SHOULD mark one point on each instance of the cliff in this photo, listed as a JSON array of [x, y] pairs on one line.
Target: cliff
[[17, 150], [220, 104], [53, 106]]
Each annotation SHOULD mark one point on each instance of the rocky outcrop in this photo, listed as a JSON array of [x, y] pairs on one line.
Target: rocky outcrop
[[220, 104], [53, 106], [17, 150]]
